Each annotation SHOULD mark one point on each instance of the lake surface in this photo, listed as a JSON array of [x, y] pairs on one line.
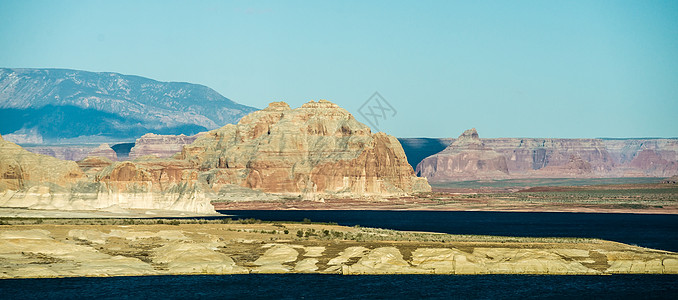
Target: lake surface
[[652, 231], [299, 286]]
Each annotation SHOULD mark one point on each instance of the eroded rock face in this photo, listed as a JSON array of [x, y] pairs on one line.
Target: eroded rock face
[[544, 158], [466, 157], [318, 150], [655, 163], [161, 146], [314, 150], [104, 150], [94, 163], [42, 182], [20, 168], [529, 155], [72, 251], [74, 153]]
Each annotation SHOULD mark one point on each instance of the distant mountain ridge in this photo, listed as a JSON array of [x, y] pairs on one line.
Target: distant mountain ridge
[[53, 105]]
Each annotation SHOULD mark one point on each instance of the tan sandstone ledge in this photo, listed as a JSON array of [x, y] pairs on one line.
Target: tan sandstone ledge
[[56, 248]]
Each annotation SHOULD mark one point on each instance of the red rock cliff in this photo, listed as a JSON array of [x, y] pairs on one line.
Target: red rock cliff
[[543, 158], [317, 149]]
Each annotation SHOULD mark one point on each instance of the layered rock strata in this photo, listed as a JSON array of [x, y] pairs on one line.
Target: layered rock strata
[[312, 152], [29, 252], [21, 169], [65, 152], [161, 146], [38, 181], [466, 157], [553, 158], [104, 150]]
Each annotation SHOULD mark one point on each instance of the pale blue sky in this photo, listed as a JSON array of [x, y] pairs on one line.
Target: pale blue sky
[[508, 68]]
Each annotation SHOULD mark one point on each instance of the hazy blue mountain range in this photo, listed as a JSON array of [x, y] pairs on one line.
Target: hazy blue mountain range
[[56, 105]]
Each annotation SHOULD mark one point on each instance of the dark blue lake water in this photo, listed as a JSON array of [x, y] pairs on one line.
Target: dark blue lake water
[[655, 231], [652, 231], [297, 286]]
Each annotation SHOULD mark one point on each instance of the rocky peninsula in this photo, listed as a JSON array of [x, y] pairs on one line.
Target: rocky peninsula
[[126, 247]]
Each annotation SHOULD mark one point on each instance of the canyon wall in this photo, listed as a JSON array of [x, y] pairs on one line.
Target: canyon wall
[[552, 158]]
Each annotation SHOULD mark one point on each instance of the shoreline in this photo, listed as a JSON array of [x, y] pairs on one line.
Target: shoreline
[[26, 213], [217, 247], [316, 206]]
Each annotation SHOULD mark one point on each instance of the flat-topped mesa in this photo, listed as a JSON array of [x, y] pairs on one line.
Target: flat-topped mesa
[[161, 146], [104, 150], [317, 149], [472, 158], [467, 157]]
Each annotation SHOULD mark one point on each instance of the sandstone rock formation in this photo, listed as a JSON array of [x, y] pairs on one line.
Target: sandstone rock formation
[[104, 150], [42, 182], [94, 164], [77, 152], [64, 152], [527, 155], [161, 146], [553, 158], [316, 151], [624, 151], [70, 250], [22, 169], [466, 157]]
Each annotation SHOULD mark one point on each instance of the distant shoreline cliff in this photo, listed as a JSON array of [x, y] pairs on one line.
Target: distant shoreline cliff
[[471, 158]]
